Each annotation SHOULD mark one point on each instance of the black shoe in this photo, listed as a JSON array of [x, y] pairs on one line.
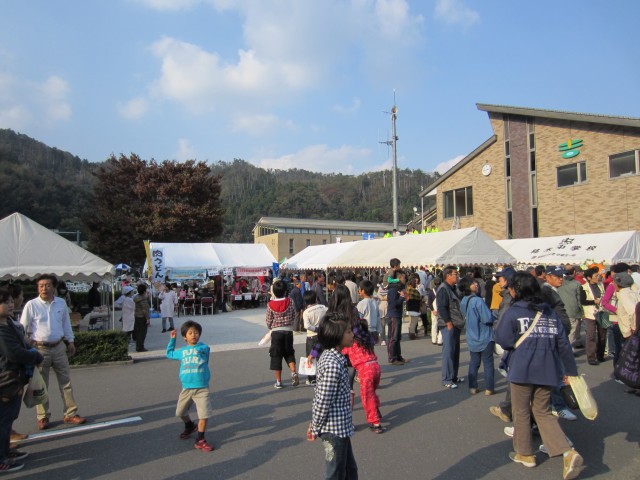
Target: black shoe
[[594, 362], [164, 330], [142, 350], [171, 329]]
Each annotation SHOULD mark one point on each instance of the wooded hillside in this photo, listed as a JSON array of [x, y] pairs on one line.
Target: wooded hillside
[[53, 188]]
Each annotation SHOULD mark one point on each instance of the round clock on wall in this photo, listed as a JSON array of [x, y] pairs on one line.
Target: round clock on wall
[[486, 169]]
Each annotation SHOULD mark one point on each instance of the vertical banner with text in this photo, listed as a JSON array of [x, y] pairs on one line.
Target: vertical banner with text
[[157, 262]]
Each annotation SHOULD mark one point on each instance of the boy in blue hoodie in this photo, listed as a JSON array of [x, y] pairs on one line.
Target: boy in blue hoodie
[[194, 376]]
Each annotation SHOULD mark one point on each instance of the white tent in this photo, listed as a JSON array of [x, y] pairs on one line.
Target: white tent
[[468, 246], [29, 250], [606, 248], [215, 255], [317, 257]]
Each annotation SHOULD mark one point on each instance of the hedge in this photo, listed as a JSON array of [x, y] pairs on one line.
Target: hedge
[[99, 347]]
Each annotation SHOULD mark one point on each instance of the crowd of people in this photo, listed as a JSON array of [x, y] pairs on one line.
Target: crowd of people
[[529, 320]]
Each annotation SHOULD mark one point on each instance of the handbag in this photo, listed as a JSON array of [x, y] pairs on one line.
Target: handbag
[[586, 402], [11, 383], [36, 393], [627, 370], [602, 318]]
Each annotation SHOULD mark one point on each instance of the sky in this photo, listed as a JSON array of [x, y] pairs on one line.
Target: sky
[[305, 84]]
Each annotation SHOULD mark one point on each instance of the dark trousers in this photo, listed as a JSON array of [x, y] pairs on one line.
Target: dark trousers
[[393, 345], [311, 342], [617, 342], [139, 332], [340, 464], [450, 354], [486, 356], [596, 340], [8, 413]]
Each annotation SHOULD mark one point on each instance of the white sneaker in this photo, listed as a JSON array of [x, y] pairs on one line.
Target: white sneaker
[[508, 431], [564, 413], [543, 449], [383, 343]]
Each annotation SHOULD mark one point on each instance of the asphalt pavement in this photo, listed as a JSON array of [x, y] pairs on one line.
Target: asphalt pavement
[[259, 432]]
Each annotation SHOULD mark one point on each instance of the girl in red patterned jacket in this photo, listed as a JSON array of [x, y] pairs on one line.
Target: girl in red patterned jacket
[[364, 360]]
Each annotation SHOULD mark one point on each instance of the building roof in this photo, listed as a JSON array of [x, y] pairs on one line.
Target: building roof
[[561, 115], [487, 143], [531, 112], [326, 224]]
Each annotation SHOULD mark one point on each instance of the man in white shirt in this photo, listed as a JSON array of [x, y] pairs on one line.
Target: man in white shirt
[[48, 328]]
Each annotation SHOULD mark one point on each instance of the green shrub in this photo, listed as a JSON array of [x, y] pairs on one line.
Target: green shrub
[[100, 347]]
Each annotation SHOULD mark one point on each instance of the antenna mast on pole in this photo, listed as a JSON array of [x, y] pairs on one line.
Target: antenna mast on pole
[[394, 139]]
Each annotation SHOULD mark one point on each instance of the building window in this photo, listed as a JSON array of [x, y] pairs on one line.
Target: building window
[[574, 174], [308, 242], [534, 222], [509, 224], [291, 246], [458, 203], [534, 190], [622, 164], [532, 161]]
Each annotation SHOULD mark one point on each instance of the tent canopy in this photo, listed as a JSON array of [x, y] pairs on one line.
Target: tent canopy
[[606, 248], [30, 250], [317, 257], [468, 246], [215, 255]]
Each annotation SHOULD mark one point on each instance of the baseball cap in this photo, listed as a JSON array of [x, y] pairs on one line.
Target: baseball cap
[[558, 270], [623, 279]]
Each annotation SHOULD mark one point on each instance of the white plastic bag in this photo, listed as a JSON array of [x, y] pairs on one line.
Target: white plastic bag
[[266, 339], [36, 393], [586, 402]]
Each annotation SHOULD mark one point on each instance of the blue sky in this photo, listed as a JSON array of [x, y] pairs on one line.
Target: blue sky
[[305, 83]]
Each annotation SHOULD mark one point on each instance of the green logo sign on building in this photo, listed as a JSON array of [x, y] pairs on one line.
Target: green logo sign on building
[[570, 149]]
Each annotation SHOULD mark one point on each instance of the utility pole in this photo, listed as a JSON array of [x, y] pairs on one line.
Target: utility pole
[[394, 139], [394, 170]]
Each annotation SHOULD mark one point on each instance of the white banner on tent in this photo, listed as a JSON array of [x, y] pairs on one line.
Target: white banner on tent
[[157, 260], [212, 272], [227, 271], [252, 272]]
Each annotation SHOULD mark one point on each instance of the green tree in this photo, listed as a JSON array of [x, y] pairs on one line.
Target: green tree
[[135, 200]]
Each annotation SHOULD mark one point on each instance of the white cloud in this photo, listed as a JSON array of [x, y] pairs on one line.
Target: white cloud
[[454, 12], [185, 150], [442, 167], [351, 109], [259, 125], [24, 103], [134, 108], [320, 158], [289, 48]]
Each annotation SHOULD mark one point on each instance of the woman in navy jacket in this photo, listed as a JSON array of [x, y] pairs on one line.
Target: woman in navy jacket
[[532, 373]]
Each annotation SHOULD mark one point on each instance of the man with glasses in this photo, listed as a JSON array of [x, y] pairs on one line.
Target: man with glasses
[[48, 327]]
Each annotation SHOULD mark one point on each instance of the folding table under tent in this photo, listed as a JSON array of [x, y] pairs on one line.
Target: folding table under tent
[[585, 249]]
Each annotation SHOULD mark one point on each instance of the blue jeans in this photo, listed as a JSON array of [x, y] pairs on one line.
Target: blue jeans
[[616, 334], [450, 354], [340, 464], [164, 322], [8, 413], [487, 361]]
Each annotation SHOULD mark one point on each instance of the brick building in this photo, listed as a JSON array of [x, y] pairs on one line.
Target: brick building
[[543, 173], [284, 237]]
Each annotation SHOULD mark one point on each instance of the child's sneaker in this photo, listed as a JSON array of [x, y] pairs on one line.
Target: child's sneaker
[[203, 445], [295, 381], [310, 382], [278, 385], [188, 430], [376, 428]]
